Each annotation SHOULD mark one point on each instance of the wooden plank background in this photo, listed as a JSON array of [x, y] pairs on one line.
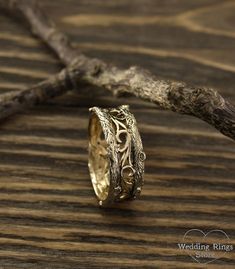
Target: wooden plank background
[[49, 216]]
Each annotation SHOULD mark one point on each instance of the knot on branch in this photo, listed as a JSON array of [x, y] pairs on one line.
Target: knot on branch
[[84, 69]]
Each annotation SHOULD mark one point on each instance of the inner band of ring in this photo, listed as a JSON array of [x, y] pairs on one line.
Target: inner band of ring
[[116, 157]]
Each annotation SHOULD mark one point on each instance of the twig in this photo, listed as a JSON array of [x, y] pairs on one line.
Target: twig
[[11, 103], [204, 103]]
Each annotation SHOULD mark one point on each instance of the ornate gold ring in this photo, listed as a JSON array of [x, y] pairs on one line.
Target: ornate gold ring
[[116, 156]]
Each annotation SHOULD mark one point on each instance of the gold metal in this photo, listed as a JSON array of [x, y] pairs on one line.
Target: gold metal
[[116, 157]]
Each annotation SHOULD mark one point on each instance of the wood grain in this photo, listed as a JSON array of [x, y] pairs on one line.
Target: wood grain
[[49, 217]]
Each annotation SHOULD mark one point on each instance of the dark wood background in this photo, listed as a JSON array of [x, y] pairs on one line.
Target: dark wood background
[[49, 217]]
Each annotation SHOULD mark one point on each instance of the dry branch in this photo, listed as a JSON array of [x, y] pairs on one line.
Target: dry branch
[[204, 103]]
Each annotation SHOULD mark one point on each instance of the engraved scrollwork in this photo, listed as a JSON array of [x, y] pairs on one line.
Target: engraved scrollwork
[[123, 138]]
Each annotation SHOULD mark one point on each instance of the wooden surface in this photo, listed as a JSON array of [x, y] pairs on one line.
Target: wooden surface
[[49, 216]]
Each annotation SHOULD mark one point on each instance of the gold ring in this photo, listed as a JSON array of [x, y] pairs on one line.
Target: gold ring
[[116, 156]]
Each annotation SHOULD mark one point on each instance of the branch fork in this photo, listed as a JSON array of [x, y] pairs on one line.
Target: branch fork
[[204, 103]]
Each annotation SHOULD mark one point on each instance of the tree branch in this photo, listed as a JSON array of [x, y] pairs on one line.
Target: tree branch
[[204, 103], [11, 103]]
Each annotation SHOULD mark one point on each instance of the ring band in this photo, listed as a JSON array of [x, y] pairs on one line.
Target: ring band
[[116, 156]]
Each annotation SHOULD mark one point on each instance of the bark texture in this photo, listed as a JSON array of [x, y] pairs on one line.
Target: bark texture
[[204, 103]]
